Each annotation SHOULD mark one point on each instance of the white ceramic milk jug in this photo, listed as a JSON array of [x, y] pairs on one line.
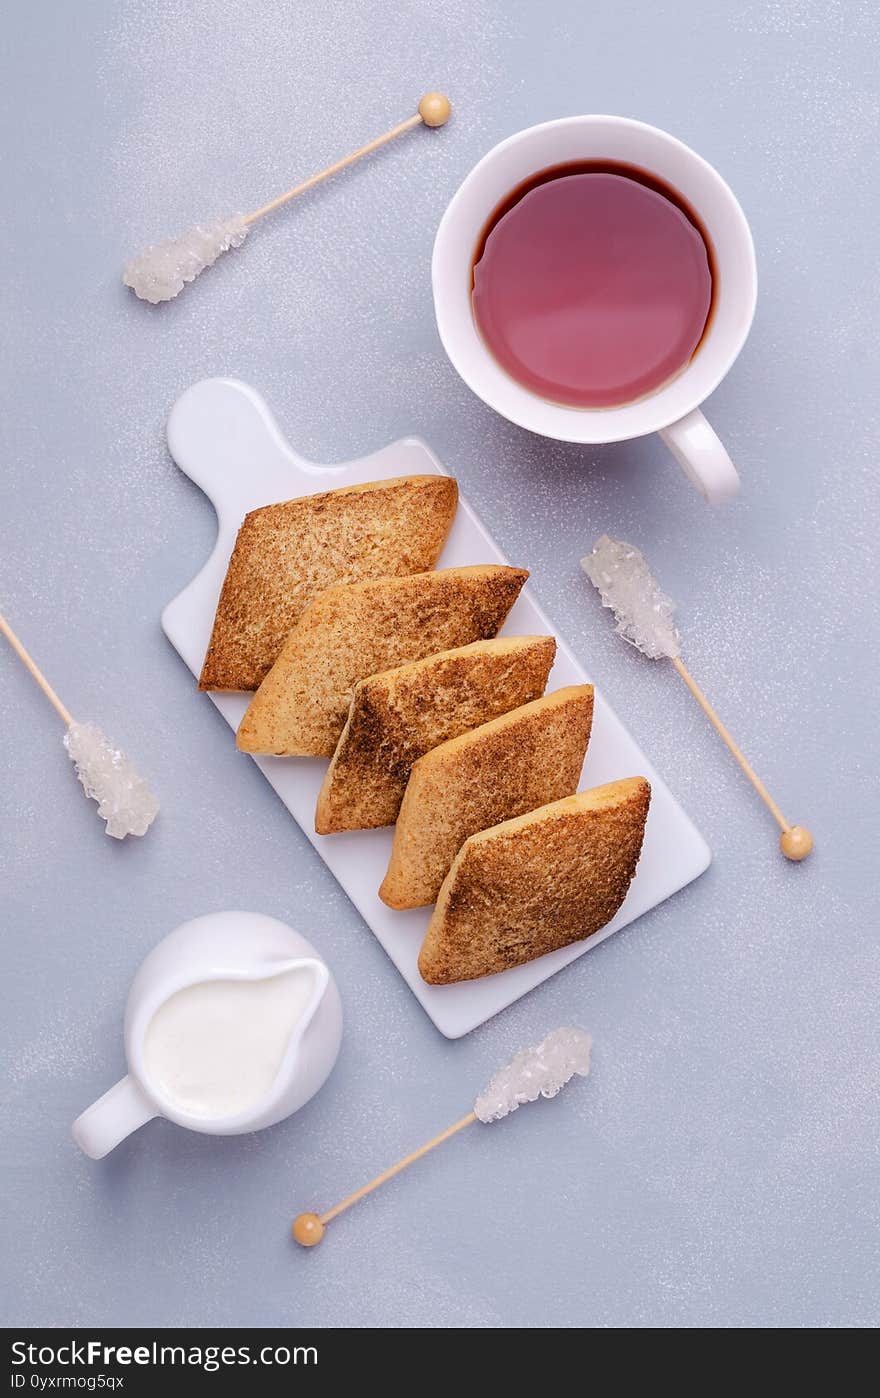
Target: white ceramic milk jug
[[233, 1022]]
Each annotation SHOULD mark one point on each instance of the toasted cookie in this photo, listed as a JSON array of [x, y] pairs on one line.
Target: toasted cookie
[[503, 769], [397, 716], [286, 554], [536, 883], [349, 633]]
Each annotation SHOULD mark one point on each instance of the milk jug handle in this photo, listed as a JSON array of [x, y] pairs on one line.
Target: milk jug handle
[[113, 1117]]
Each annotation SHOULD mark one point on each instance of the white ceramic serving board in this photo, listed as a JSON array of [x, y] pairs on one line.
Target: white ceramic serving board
[[221, 433]]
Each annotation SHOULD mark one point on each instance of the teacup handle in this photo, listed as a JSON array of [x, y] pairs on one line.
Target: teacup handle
[[700, 453], [113, 1117]]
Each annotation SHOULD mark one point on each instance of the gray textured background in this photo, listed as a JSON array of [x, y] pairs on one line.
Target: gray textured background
[[720, 1168]]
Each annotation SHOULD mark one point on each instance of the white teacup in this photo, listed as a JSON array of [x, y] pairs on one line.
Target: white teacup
[[674, 409]]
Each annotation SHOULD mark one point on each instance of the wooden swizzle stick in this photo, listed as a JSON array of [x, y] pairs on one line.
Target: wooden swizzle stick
[[125, 801], [163, 269], [645, 618], [540, 1071]]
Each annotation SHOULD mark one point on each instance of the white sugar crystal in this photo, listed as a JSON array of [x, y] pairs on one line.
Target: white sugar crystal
[[163, 269], [540, 1071], [645, 615], [124, 799]]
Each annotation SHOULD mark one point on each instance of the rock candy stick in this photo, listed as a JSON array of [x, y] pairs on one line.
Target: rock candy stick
[[124, 799], [162, 270], [539, 1071], [644, 616]]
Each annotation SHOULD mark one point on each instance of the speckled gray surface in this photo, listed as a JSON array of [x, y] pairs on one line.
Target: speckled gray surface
[[720, 1167]]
